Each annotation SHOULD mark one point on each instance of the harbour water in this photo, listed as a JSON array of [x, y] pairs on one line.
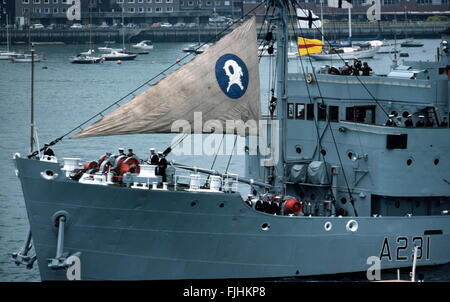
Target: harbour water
[[68, 94]]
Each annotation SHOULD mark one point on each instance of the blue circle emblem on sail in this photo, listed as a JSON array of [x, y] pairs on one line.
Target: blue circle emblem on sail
[[232, 75]]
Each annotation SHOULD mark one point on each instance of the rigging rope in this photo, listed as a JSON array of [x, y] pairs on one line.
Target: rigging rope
[[329, 125], [296, 2]]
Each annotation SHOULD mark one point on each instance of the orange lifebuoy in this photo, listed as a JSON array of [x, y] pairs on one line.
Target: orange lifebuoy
[[90, 165], [293, 206], [131, 165]]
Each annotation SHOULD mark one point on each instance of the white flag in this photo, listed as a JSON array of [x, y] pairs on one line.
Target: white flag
[[374, 11], [307, 19], [340, 3]]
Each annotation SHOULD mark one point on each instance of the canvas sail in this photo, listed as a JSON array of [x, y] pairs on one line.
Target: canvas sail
[[221, 84]]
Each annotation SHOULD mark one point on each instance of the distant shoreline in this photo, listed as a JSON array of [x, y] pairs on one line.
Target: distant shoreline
[[389, 30]]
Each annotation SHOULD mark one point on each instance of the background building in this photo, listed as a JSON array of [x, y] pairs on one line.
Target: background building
[[135, 11], [7, 10], [391, 10]]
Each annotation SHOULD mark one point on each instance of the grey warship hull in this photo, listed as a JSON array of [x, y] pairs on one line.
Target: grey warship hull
[[130, 234]]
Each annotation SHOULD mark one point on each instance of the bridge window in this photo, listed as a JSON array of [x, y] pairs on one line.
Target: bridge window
[[300, 111], [290, 111], [333, 111], [310, 111], [361, 114], [321, 112]]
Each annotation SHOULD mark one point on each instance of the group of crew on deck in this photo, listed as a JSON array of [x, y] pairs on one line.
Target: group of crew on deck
[[157, 159], [356, 69], [267, 203], [396, 121]]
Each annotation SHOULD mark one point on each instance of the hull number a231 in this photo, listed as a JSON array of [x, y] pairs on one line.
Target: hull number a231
[[401, 249]]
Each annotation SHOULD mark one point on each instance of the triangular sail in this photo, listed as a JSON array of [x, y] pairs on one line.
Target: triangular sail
[[222, 84]]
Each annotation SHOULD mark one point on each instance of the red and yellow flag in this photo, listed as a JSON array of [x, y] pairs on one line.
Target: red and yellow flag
[[309, 46]]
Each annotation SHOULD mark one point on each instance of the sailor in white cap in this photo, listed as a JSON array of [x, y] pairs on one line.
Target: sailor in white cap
[[153, 158], [121, 152], [420, 123], [390, 122], [399, 121], [409, 121], [429, 122], [249, 201]]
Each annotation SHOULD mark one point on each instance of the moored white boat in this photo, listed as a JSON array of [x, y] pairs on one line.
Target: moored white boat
[[145, 45], [116, 55], [346, 53]]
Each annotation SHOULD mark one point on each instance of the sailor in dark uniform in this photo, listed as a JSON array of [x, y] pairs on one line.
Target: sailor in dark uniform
[[366, 69], [162, 166], [390, 121], [409, 122], [420, 123], [48, 151], [429, 122], [259, 205], [249, 201], [153, 158], [444, 122]]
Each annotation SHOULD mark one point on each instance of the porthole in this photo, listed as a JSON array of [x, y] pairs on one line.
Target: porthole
[[409, 162], [343, 200], [350, 155], [194, 203], [49, 175], [436, 161], [265, 226], [323, 152], [328, 226], [298, 149], [221, 205], [352, 226]]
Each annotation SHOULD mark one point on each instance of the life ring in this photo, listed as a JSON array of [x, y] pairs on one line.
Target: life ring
[[293, 206], [130, 165], [309, 78], [90, 165]]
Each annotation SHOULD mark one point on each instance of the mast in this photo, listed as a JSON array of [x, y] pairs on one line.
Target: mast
[[349, 23], [321, 19], [7, 33], [32, 101], [282, 38], [123, 31]]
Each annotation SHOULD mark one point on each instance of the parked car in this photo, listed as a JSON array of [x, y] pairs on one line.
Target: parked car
[[131, 25], [166, 25], [156, 25], [76, 26], [103, 25], [37, 26], [192, 25], [179, 24], [51, 26]]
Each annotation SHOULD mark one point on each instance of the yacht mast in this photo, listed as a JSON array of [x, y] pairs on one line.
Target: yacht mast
[[349, 23], [32, 101]]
